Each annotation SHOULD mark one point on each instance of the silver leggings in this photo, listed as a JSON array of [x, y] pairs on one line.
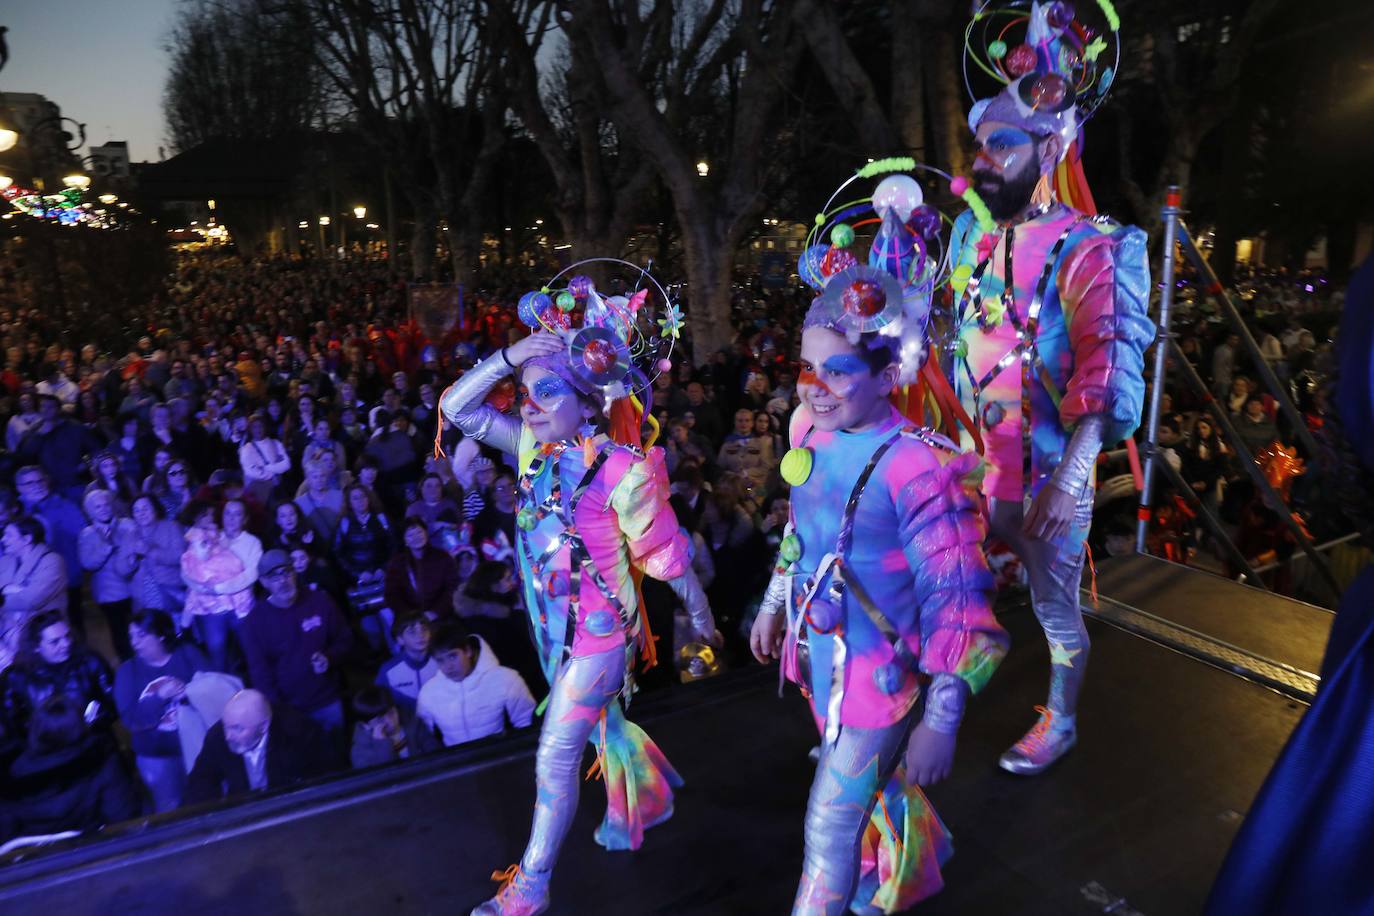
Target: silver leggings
[[1055, 570], [584, 687], [848, 777]]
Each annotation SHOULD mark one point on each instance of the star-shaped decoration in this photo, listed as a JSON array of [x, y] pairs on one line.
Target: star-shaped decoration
[[548, 798], [1094, 49], [816, 895], [994, 311], [671, 322], [855, 789], [587, 702], [1059, 655], [986, 245]]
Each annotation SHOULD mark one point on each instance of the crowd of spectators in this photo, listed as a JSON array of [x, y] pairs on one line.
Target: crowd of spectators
[[232, 557]]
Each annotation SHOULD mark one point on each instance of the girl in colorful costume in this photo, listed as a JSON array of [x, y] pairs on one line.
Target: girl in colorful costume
[[593, 516], [1050, 322], [881, 587]]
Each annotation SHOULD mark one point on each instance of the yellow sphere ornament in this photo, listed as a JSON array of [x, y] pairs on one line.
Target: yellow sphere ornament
[[796, 466]]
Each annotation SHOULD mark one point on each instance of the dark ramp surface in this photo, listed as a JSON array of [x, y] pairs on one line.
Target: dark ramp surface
[[1272, 626], [1172, 752]]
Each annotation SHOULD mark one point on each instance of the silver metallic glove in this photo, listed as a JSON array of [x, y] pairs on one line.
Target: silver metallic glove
[[945, 700], [688, 591], [775, 598], [1080, 455], [464, 405]]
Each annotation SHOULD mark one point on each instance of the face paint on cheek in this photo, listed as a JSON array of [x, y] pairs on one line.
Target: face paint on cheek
[[848, 367], [807, 379], [549, 393]]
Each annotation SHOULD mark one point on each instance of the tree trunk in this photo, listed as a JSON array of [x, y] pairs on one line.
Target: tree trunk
[[947, 92], [423, 236], [909, 41], [710, 269]]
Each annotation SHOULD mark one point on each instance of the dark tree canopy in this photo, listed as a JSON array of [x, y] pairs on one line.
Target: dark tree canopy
[[238, 73]]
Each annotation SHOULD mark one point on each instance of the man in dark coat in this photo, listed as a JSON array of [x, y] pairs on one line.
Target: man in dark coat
[[254, 747]]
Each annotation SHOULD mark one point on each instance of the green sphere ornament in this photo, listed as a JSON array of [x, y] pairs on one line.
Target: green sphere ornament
[[842, 236], [796, 466], [565, 301], [790, 549], [525, 520], [997, 50]]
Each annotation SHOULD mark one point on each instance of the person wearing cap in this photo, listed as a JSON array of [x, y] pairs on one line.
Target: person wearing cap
[[592, 505], [1051, 318], [295, 641]]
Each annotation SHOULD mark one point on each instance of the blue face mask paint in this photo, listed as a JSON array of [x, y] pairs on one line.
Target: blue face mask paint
[[1000, 148], [546, 393]]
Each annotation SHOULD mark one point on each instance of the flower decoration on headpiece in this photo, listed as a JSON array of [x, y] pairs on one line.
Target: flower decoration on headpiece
[[1055, 65], [613, 351], [888, 293]]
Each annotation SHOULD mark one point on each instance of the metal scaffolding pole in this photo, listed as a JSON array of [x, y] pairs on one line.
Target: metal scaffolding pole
[[1171, 210]]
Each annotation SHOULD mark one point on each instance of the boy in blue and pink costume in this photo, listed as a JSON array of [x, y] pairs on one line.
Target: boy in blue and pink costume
[[881, 596], [1051, 325], [593, 514]]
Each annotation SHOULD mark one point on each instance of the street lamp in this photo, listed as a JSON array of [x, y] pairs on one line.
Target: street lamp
[[5, 182], [324, 221], [77, 180], [105, 198], [360, 211], [703, 169], [8, 138]]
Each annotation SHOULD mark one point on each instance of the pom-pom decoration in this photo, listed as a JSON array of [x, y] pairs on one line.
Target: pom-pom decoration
[[796, 466]]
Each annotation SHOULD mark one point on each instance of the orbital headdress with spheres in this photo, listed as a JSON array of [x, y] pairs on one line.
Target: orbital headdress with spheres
[[616, 347], [884, 301], [1055, 66]]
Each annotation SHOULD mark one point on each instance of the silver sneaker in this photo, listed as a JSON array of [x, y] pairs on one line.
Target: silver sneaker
[[522, 893], [1040, 747]]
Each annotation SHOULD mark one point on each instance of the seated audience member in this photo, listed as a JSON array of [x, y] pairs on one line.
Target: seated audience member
[[473, 696], [51, 662], [149, 690], [295, 641], [105, 550], [382, 734], [254, 746], [33, 579], [433, 505], [421, 577], [412, 666], [69, 777], [157, 546], [488, 604]]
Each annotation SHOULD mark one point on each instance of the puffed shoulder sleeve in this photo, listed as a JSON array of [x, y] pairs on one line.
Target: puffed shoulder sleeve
[[464, 405], [942, 532], [1104, 288], [640, 500]]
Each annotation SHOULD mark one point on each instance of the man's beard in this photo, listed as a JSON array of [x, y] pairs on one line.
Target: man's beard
[[1006, 197]]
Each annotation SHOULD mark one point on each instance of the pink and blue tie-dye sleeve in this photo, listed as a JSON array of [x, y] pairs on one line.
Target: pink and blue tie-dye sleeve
[[640, 499], [1104, 288], [942, 531]]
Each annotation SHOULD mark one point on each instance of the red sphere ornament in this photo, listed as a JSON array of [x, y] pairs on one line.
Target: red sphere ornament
[[864, 298], [1021, 60], [1048, 91], [1059, 15], [598, 356]]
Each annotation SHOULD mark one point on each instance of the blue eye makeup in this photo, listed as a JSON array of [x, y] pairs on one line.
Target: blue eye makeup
[[844, 364], [1003, 139], [549, 388]]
